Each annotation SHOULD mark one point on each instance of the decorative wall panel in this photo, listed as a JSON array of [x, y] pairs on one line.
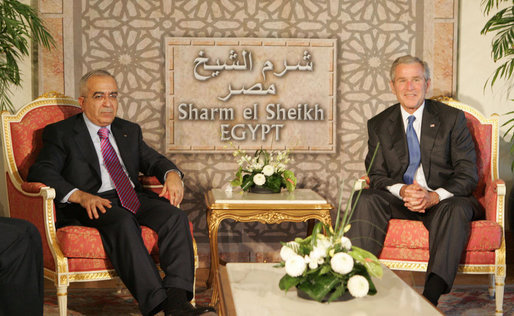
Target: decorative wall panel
[[127, 38]]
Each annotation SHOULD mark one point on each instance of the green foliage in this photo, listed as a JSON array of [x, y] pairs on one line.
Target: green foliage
[[368, 260], [510, 128], [321, 287], [287, 282], [19, 23], [276, 176], [502, 25], [289, 180]]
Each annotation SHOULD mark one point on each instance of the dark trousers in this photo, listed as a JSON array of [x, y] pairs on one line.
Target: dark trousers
[[21, 268], [448, 224], [121, 236]]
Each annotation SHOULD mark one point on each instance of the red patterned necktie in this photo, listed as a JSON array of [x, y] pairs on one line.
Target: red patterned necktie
[[126, 193]]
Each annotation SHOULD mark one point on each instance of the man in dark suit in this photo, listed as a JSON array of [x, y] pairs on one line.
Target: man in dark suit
[[424, 169], [21, 268], [93, 160]]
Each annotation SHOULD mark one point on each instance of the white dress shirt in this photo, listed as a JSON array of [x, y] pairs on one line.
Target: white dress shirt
[[107, 183], [419, 176]]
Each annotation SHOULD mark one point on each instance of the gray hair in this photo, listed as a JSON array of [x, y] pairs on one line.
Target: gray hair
[[92, 73], [408, 59]]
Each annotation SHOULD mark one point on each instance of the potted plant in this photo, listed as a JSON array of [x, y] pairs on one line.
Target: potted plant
[[326, 266], [19, 24]]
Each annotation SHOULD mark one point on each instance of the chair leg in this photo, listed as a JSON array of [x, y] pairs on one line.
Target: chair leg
[[500, 284], [492, 285], [62, 299], [195, 249]]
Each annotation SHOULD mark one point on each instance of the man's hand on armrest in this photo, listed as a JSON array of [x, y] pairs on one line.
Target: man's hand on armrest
[[173, 188], [92, 203]]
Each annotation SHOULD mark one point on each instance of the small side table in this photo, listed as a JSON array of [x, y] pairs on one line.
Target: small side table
[[298, 206]]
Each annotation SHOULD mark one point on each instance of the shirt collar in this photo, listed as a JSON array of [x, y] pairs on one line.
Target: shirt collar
[[93, 128], [418, 114]]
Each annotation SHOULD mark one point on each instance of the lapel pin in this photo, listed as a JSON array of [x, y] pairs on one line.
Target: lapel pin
[[432, 125]]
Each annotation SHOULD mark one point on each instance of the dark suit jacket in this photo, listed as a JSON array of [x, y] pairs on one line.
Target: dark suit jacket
[[68, 158], [447, 149]]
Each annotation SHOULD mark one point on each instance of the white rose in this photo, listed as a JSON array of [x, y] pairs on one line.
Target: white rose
[[259, 179], [268, 170], [346, 243], [358, 286], [287, 252], [341, 263], [295, 266]]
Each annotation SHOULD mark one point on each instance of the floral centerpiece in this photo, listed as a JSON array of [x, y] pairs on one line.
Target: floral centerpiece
[[327, 266], [264, 171]]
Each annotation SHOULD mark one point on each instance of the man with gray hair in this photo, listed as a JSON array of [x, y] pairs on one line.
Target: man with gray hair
[[93, 160], [424, 170]]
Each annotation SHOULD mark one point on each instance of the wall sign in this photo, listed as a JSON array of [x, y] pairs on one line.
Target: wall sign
[[223, 93]]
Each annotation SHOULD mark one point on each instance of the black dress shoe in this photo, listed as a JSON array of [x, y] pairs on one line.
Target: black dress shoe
[[186, 309]]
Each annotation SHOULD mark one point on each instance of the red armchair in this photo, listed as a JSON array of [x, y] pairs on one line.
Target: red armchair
[[72, 253], [406, 242]]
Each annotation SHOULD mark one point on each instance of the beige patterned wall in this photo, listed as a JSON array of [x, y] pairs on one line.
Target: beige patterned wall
[[127, 38]]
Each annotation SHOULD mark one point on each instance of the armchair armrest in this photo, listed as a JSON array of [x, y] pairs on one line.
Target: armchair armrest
[[151, 183], [34, 202], [494, 189], [32, 187]]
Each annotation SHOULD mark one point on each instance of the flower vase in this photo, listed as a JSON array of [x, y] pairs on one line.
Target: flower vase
[[260, 189], [345, 297]]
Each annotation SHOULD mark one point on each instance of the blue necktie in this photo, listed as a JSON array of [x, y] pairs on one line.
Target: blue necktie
[[414, 152]]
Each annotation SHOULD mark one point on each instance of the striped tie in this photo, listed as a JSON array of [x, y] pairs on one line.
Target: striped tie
[[126, 193]]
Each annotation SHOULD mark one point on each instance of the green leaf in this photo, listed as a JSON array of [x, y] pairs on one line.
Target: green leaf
[[320, 286], [338, 292], [368, 260], [289, 180], [273, 182], [315, 232], [238, 180], [19, 25], [325, 269], [247, 182], [287, 281]]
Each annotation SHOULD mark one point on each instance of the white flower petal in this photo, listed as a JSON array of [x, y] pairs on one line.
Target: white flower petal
[[346, 243], [268, 170], [286, 253], [259, 179], [341, 263], [358, 286], [295, 266]]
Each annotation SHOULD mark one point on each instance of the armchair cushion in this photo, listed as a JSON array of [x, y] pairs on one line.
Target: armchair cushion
[[485, 235], [85, 242]]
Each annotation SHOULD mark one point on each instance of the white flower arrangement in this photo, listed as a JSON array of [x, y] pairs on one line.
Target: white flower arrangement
[[325, 266], [265, 169]]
